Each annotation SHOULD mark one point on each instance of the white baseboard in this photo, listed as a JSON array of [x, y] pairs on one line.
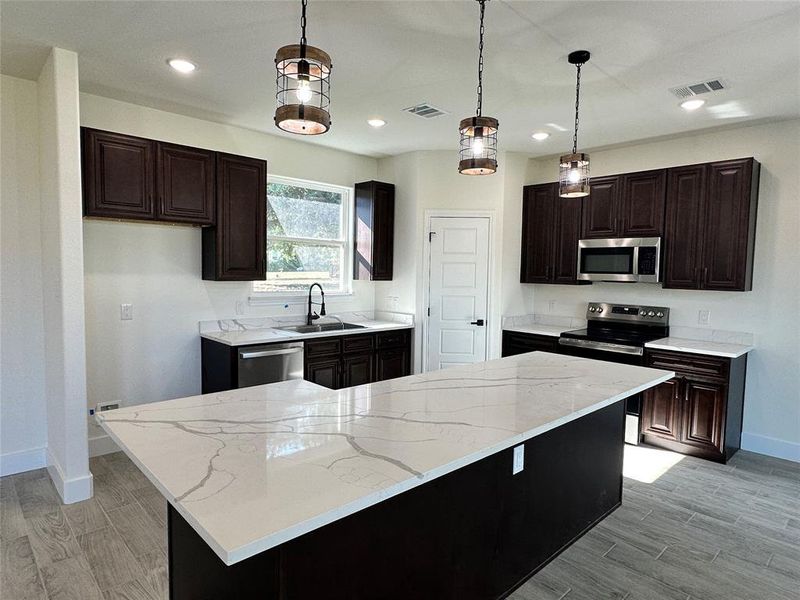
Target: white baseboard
[[763, 444], [102, 444], [23, 460], [71, 490]]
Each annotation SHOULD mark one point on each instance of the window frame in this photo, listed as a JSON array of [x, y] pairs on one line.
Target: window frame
[[347, 194]]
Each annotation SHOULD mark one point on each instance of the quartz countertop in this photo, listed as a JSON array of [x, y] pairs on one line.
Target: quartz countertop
[[272, 334], [537, 329], [252, 468], [710, 348]]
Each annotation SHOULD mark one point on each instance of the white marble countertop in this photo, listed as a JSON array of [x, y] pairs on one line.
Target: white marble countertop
[[252, 468], [677, 344], [540, 329], [270, 334]]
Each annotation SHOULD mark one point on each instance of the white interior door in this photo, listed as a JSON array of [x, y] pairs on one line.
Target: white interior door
[[458, 295]]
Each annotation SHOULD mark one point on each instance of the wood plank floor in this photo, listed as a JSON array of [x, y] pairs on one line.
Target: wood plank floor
[[699, 531]]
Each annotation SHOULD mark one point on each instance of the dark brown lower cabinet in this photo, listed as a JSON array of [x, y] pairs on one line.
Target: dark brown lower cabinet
[[392, 363], [324, 372], [519, 343], [357, 369], [699, 411], [345, 361]]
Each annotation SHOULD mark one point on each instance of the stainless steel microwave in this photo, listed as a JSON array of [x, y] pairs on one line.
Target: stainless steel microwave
[[620, 259]]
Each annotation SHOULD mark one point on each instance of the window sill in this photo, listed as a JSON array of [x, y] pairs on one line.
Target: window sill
[[290, 299]]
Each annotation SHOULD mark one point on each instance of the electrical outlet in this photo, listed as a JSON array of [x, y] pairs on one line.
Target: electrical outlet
[[704, 317], [126, 312], [240, 307], [551, 306], [519, 459]]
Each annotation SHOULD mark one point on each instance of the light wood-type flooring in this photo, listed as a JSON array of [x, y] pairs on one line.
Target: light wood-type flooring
[[699, 531]]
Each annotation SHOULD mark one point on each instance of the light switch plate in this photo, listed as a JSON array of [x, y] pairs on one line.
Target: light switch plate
[[126, 312], [704, 317], [519, 459]]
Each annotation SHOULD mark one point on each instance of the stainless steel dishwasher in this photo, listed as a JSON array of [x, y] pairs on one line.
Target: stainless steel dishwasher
[[270, 363]]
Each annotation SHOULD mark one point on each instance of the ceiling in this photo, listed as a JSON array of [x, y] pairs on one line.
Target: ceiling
[[389, 55]]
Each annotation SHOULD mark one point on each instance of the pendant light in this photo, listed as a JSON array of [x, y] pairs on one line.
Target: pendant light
[[478, 147], [303, 82], [573, 172]]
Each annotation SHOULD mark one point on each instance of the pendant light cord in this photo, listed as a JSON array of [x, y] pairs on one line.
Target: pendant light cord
[[480, 59], [577, 105], [303, 24]]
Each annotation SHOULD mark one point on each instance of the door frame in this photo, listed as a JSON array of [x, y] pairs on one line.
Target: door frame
[[491, 326]]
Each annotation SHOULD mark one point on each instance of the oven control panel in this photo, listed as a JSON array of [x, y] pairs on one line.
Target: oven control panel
[[598, 311]]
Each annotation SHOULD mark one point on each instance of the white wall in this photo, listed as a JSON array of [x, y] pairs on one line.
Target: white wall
[[62, 276], [772, 406], [23, 430], [156, 356], [429, 180]]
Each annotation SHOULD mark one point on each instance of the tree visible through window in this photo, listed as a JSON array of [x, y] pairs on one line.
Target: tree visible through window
[[307, 237]]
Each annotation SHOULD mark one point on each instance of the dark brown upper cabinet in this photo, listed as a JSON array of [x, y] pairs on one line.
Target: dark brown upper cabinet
[[185, 182], [710, 225], [118, 175], [373, 251], [629, 205], [236, 249], [550, 228]]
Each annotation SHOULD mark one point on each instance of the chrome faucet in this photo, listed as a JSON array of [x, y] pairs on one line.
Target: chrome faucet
[[310, 317]]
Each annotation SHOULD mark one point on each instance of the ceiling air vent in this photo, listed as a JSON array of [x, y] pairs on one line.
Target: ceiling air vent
[[425, 110], [695, 89]]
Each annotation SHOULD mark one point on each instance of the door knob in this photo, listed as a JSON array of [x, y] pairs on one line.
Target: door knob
[[479, 322]]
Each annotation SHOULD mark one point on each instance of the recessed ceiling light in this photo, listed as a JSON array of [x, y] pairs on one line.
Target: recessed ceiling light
[[540, 135], [692, 104], [181, 65], [376, 122]]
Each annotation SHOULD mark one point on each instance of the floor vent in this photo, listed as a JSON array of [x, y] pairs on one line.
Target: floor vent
[[425, 110], [695, 89]]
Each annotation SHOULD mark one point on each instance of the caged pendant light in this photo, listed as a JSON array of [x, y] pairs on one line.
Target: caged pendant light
[[573, 172], [304, 86], [478, 146]]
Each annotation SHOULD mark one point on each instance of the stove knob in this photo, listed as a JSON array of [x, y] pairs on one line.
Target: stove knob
[[599, 309], [592, 309], [642, 313], [660, 315], [651, 313]]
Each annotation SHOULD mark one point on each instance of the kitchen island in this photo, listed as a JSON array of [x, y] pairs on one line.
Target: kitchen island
[[451, 484]]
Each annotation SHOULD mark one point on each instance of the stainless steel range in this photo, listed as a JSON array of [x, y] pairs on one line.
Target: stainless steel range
[[618, 333]]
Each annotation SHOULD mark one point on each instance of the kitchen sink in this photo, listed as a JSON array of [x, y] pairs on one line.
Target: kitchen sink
[[321, 328]]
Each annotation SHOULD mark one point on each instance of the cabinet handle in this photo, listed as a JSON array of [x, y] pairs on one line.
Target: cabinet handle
[[705, 276]]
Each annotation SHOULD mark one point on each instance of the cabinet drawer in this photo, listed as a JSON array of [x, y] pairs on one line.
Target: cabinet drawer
[[357, 343], [323, 347], [390, 339], [689, 364], [520, 343]]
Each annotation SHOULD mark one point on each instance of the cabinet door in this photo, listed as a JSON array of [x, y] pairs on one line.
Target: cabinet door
[[392, 363], [727, 219], [383, 241], [185, 182], [565, 244], [357, 369], [643, 196], [519, 343], [684, 224], [118, 175], [373, 251], [235, 250], [324, 372], [704, 415], [601, 209], [538, 219], [661, 410]]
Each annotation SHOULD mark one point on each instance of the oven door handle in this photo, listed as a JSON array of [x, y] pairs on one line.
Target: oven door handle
[[264, 353], [602, 346]]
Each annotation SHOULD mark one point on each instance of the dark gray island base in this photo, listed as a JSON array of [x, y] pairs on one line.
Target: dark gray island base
[[476, 533]]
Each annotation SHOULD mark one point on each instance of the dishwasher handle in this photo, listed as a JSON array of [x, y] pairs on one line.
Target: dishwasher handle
[[263, 353]]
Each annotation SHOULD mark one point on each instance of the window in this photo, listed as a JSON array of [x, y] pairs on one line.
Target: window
[[308, 238]]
